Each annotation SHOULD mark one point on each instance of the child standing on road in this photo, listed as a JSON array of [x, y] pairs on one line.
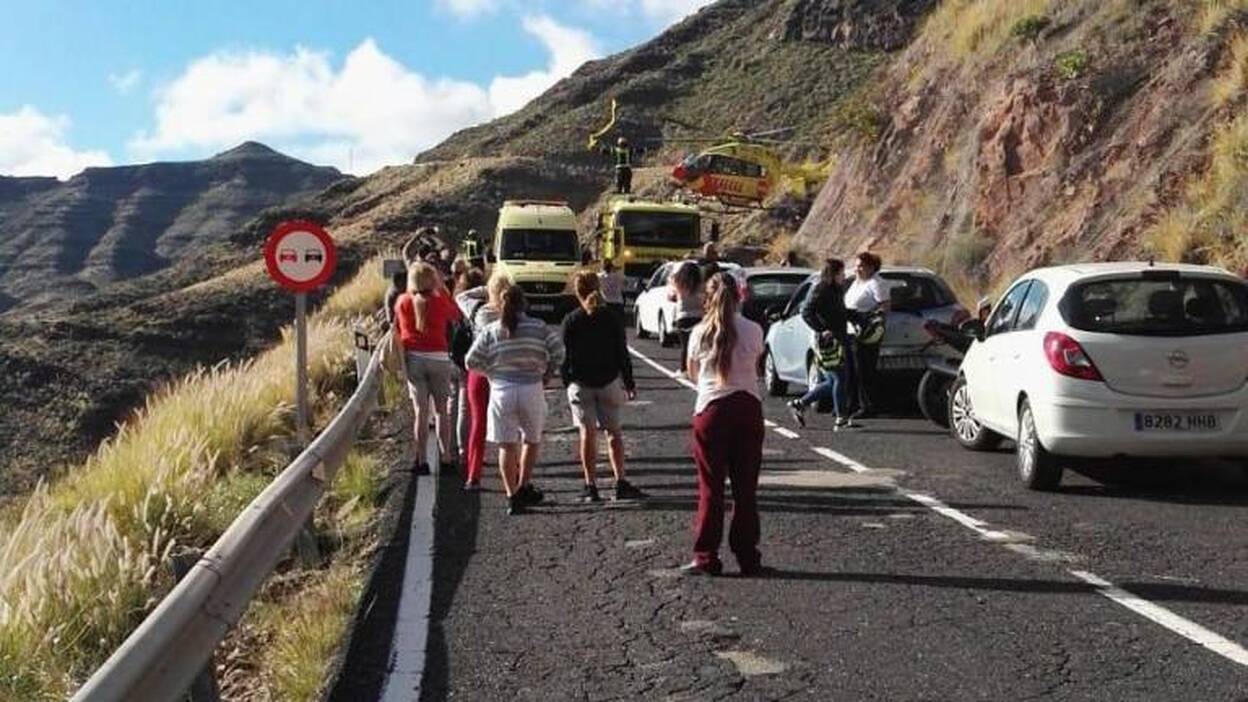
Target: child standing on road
[[724, 350], [518, 354], [598, 373], [686, 292], [824, 312], [422, 315]]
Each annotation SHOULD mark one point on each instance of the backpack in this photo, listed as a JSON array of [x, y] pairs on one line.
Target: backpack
[[830, 356], [460, 336]]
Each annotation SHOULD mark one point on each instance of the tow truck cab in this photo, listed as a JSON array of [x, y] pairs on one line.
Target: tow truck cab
[[639, 235], [536, 246]]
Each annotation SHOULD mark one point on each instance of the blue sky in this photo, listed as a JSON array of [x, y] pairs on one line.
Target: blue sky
[[356, 85]]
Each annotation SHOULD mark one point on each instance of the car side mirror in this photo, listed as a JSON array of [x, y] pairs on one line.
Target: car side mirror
[[974, 327], [490, 257]]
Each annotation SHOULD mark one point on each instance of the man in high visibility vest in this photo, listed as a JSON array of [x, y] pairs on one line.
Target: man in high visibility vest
[[623, 167]]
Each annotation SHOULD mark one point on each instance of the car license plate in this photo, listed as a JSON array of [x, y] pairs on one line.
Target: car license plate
[[542, 307], [1177, 421], [902, 363]]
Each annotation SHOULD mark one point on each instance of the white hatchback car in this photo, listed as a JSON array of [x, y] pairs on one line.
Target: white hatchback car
[[1102, 360], [653, 312]]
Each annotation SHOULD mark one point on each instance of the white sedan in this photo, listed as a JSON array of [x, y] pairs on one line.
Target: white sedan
[[1102, 360], [653, 312]]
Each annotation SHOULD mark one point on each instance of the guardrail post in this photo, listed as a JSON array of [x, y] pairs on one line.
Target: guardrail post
[[204, 689]]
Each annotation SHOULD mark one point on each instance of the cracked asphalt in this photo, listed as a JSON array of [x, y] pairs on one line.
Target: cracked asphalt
[[877, 597]]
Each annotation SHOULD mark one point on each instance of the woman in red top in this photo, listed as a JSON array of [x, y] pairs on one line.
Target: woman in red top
[[423, 314]]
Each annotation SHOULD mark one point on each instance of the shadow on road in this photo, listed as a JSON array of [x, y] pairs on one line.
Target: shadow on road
[[1157, 592], [1194, 483]]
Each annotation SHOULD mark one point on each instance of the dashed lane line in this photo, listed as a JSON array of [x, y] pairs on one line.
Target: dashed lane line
[[786, 433], [1155, 613]]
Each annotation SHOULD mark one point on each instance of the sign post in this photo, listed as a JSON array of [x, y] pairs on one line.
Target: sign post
[[300, 256]]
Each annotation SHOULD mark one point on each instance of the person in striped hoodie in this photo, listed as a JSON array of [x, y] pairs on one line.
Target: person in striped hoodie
[[518, 354]]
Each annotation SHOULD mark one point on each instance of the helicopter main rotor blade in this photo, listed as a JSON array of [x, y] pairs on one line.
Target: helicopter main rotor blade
[[770, 132]]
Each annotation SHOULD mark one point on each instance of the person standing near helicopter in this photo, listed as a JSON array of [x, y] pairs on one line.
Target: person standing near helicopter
[[623, 166]]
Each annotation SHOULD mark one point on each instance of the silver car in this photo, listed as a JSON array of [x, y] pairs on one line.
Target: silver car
[[918, 295]]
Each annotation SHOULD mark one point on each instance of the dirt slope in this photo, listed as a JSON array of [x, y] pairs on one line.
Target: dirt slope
[[1019, 134]]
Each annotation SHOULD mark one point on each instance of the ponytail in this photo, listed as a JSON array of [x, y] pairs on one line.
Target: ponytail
[[513, 305], [719, 335], [588, 291]]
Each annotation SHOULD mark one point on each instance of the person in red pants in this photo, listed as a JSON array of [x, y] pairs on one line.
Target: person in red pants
[[480, 306], [724, 350]]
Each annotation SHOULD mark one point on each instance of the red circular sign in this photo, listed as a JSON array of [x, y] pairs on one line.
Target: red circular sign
[[300, 255]]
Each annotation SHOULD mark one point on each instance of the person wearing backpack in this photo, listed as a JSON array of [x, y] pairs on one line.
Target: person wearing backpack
[[598, 374], [480, 305], [423, 316], [823, 310]]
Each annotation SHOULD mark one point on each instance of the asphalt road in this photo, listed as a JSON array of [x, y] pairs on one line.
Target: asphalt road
[[909, 569]]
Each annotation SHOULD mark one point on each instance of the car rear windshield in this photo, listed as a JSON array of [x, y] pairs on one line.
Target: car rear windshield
[[777, 285], [539, 245], [912, 292], [1162, 304]]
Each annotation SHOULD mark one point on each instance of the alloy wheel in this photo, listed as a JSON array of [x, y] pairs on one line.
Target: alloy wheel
[[964, 422]]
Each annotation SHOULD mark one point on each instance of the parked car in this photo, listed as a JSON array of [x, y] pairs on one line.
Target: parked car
[[653, 312], [918, 295], [1110, 359], [768, 289]]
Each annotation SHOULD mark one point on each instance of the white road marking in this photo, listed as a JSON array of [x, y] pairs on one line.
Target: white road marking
[[411, 630], [1153, 612], [786, 433], [1180, 625], [770, 424], [655, 365]]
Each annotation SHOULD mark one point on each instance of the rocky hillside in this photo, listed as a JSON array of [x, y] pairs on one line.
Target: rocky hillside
[[61, 240], [736, 64], [1014, 134]]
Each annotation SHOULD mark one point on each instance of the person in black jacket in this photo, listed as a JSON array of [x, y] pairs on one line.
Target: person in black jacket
[[598, 373], [824, 312]]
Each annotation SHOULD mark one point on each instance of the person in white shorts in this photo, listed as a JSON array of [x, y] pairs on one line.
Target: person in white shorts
[[598, 373], [518, 354]]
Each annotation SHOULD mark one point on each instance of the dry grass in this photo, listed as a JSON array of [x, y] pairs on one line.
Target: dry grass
[[86, 558], [1209, 226], [1232, 83], [968, 27], [1212, 14]]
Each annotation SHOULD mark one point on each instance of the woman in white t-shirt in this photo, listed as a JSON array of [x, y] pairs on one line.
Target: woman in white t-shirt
[[867, 296], [724, 349]]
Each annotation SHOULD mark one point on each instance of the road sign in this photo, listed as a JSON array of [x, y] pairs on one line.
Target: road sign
[[300, 255]]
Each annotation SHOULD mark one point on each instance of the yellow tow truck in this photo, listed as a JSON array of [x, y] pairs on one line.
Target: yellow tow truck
[[639, 235]]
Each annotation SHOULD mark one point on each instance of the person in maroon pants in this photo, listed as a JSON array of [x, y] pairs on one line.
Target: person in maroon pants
[[727, 429]]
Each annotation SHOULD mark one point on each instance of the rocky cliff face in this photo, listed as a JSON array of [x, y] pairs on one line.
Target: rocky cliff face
[[61, 240], [1045, 132]]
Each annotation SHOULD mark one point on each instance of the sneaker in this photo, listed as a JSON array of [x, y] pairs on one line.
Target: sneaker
[[625, 490], [844, 423], [472, 486], [798, 410], [589, 493], [515, 505], [693, 568], [530, 495]]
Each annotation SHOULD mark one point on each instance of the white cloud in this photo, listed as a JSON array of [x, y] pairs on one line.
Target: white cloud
[[467, 8], [568, 48], [33, 144], [123, 83], [371, 112], [667, 12]]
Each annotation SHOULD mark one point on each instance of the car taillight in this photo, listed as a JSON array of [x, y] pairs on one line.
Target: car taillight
[[1068, 358], [960, 315]]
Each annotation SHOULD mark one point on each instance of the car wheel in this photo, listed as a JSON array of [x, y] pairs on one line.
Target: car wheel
[[641, 333], [666, 338], [965, 428], [1037, 468], [775, 386], [933, 397]]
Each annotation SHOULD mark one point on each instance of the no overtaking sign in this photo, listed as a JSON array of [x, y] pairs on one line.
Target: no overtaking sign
[[300, 255]]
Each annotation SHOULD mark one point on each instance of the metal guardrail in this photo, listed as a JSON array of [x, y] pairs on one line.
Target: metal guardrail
[[160, 659]]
